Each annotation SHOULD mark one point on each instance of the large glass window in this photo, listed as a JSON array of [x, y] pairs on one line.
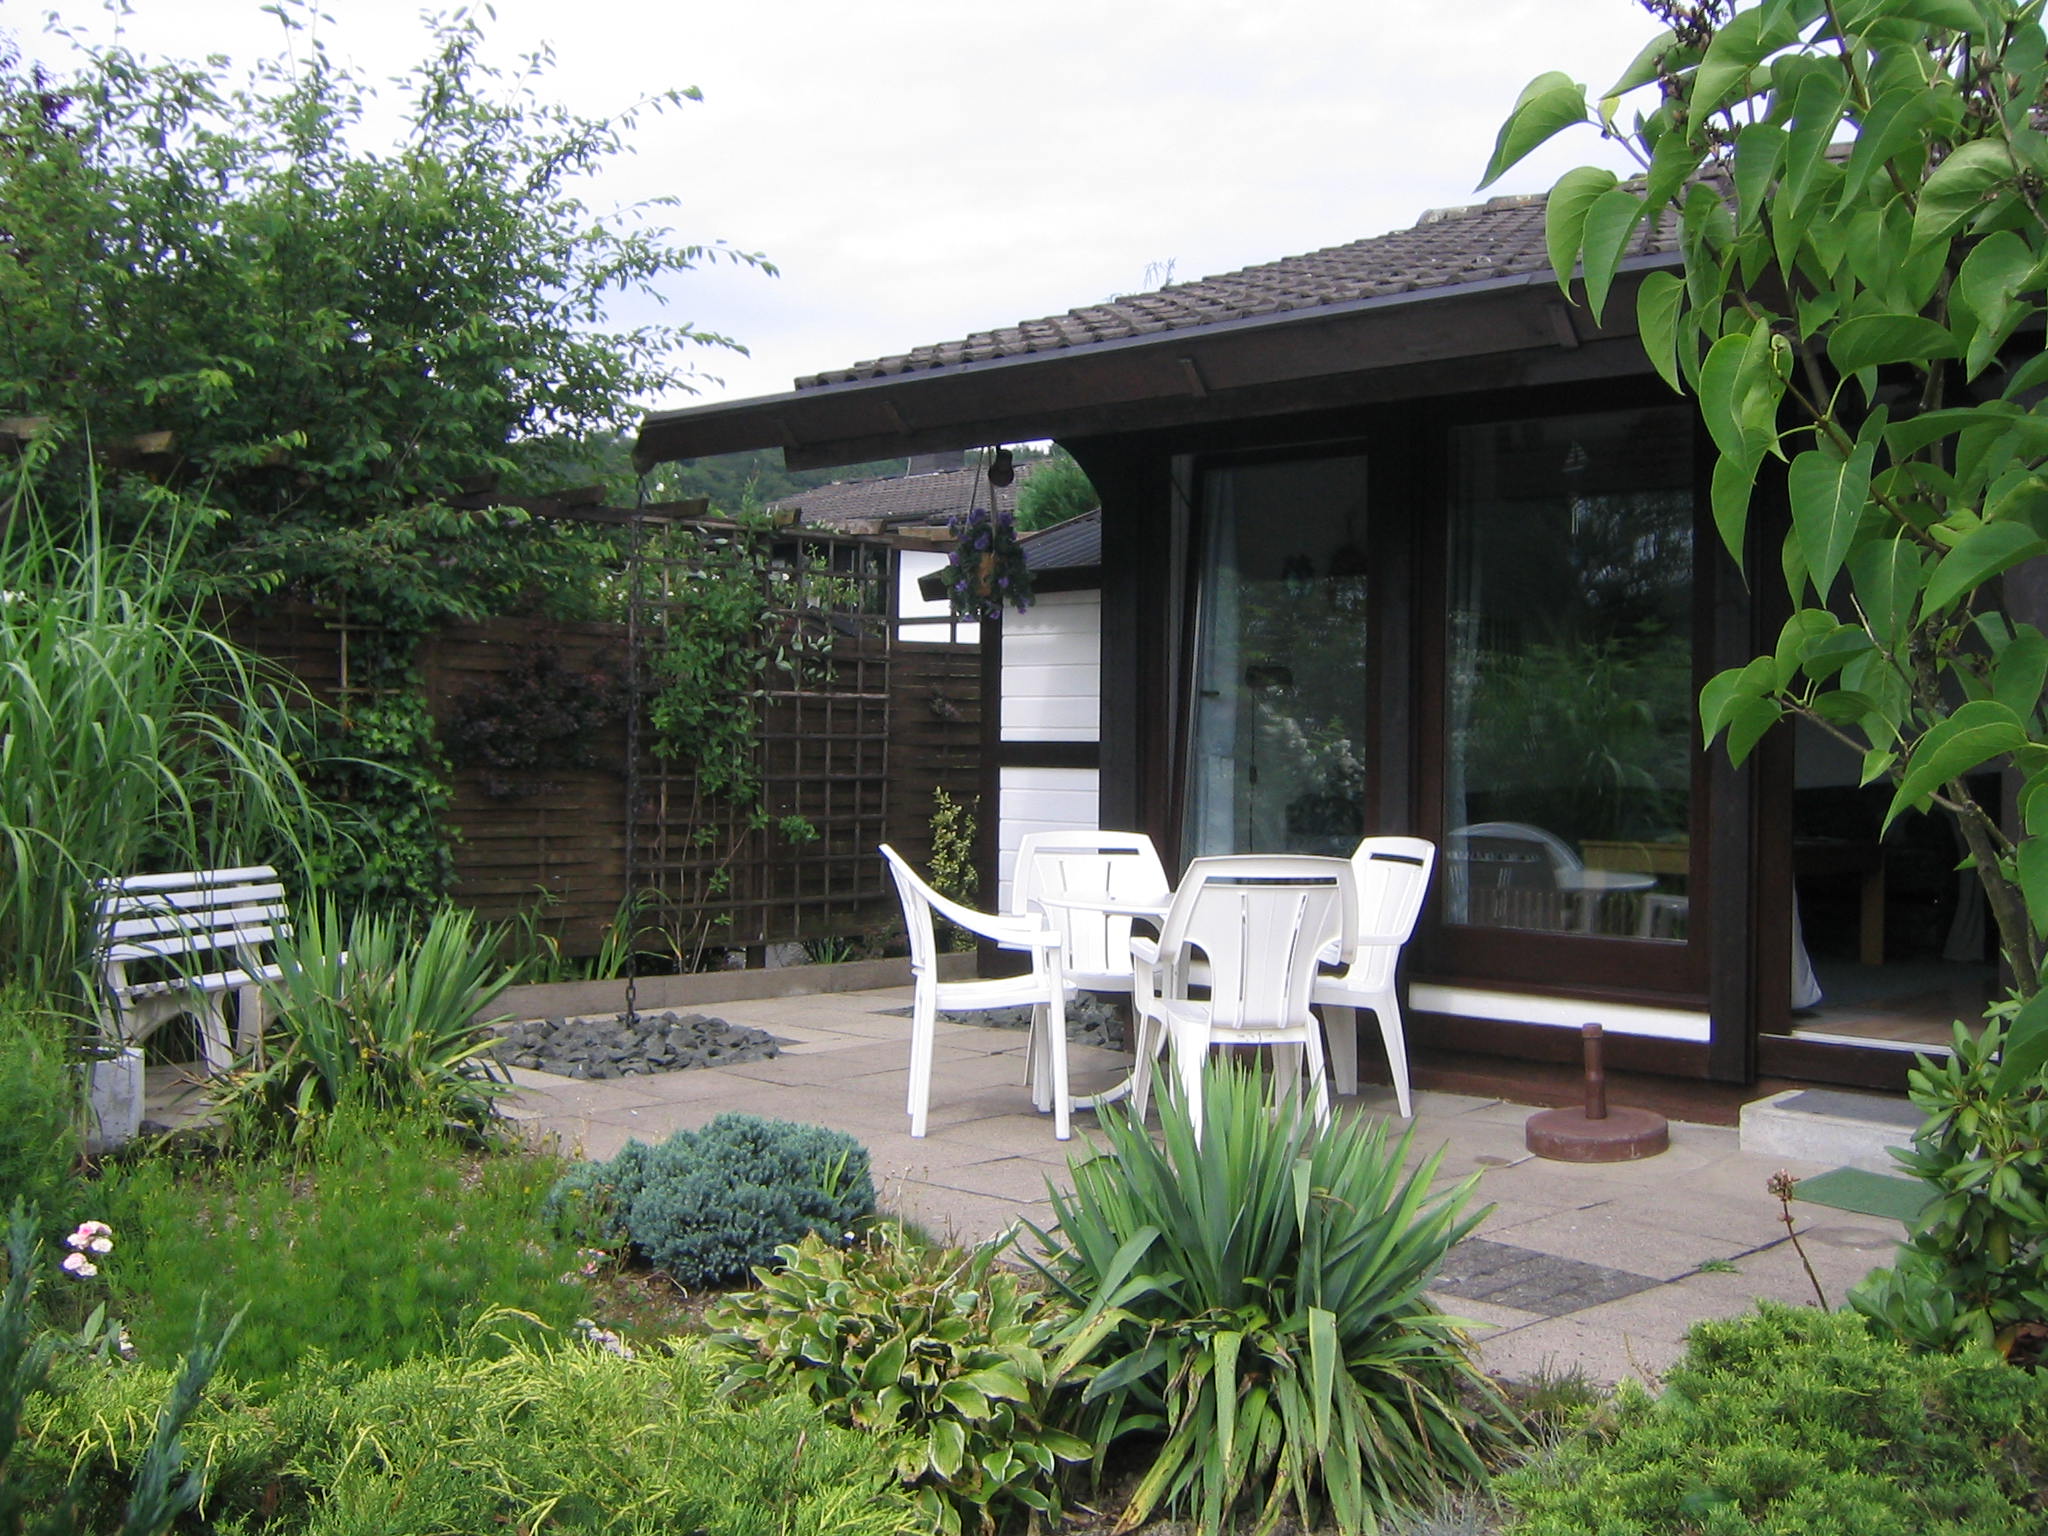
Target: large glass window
[[1278, 752], [1569, 696]]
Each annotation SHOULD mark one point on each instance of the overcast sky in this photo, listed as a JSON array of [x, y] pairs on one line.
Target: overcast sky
[[919, 170]]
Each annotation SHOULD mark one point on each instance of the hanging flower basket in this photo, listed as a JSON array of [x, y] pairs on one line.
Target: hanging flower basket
[[988, 568]]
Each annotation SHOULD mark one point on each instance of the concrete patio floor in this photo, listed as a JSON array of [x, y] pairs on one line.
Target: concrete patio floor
[[1596, 1268]]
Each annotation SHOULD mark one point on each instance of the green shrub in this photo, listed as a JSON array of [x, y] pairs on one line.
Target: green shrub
[[708, 1206], [1257, 1300], [936, 1344], [1796, 1422], [505, 1433], [378, 1018], [58, 1493], [39, 1144], [370, 1244], [1976, 1267]]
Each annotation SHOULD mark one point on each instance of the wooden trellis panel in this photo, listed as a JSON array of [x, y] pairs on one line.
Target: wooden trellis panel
[[854, 743]]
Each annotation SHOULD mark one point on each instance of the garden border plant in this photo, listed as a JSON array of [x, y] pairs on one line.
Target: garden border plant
[[1255, 1299]]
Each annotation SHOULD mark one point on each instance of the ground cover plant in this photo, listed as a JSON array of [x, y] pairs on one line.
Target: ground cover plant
[[942, 1348], [1797, 1422], [707, 1206], [511, 1427], [160, 1486], [371, 1242], [1255, 1301]]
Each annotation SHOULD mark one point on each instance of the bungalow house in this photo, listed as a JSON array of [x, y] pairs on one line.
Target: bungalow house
[[1395, 539]]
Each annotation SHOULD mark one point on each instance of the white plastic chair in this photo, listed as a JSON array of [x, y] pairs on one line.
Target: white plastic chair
[[1391, 875], [1260, 921], [1095, 948], [1097, 954], [1041, 989]]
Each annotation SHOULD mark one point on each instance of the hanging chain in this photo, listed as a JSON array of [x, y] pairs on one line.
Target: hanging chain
[[635, 695]]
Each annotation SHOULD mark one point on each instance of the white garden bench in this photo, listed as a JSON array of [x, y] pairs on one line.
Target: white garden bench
[[172, 945]]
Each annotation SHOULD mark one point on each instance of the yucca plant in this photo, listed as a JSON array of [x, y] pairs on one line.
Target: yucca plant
[[368, 1013], [1255, 1300], [133, 736]]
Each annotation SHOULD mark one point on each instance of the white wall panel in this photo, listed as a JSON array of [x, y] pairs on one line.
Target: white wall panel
[[1052, 669], [1041, 800]]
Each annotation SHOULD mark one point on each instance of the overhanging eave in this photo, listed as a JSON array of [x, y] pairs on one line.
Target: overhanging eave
[[1231, 370]]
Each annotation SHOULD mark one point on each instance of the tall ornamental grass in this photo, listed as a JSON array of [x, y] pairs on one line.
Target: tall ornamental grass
[[133, 735]]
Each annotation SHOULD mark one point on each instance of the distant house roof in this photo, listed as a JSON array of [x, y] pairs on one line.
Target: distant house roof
[[899, 501], [1073, 545], [1263, 340]]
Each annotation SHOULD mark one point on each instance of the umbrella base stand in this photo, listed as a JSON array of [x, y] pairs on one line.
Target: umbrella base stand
[[1593, 1133]]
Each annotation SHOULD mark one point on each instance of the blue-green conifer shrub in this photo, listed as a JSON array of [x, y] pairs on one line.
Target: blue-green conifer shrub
[[706, 1206]]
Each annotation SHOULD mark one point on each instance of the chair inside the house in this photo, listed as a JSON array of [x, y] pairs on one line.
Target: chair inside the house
[[1041, 989], [1514, 875], [1260, 922], [1392, 879]]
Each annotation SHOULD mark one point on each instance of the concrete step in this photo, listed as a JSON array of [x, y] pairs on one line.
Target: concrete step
[[1827, 1125]]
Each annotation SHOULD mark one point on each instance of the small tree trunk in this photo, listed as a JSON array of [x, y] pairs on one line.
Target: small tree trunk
[[2008, 905]]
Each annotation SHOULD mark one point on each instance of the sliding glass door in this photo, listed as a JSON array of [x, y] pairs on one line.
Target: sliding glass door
[[1569, 739], [1279, 751]]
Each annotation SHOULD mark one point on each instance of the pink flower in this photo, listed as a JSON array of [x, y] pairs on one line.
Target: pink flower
[[94, 1235], [78, 1264]]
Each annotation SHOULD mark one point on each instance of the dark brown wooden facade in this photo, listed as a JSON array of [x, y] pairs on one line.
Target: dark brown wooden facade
[[1404, 386]]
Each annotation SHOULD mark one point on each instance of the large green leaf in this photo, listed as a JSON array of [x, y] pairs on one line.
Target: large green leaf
[[1871, 341], [1548, 105], [2026, 1046], [1609, 222], [1828, 493], [1759, 152], [1659, 302], [2032, 867], [1892, 126], [1647, 65], [1745, 41], [1816, 114], [2020, 672], [1977, 557], [1992, 278], [1564, 217], [1977, 733], [1961, 185]]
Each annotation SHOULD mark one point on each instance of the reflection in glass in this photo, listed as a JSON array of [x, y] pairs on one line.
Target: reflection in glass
[[1278, 752], [1570, 722]]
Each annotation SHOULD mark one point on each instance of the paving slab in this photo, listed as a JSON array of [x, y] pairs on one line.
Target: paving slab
[[1587, 1267], [1529, 1280]]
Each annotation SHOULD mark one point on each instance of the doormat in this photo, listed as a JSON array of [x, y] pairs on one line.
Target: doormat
[[1866, 1193]]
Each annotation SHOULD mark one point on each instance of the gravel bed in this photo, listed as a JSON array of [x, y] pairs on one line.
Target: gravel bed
[[1090, 1021], [607, 1045]]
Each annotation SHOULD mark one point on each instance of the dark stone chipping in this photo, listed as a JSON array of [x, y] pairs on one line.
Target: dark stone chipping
[[608, 1045], [1090, 1021]]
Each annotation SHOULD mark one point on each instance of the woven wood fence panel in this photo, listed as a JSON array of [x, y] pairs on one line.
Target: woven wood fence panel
[[854, 744]]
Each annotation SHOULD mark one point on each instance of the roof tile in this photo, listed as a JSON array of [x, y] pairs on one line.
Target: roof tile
[[1447, 246]]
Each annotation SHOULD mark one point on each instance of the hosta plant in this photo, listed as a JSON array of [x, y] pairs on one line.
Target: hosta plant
[[370, 1014], [1255, 1299], [942, 1347]]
